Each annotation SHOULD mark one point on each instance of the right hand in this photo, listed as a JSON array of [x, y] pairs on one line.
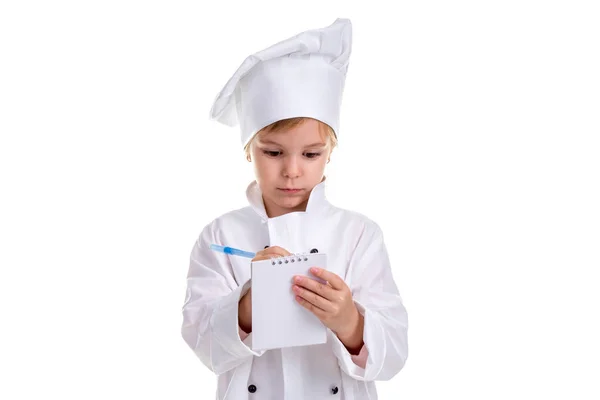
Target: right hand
[[245, 303]]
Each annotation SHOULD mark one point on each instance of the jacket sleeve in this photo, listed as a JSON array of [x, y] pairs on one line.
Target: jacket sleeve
[[210, 311], [376, 296]]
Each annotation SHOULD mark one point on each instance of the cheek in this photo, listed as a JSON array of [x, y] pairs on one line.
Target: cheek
[[265, 167], [319, 164]]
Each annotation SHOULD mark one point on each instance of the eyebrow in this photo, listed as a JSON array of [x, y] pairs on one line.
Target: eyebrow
[[320, 144]]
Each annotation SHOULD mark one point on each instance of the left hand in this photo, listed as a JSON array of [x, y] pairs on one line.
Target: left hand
[[331, 302]]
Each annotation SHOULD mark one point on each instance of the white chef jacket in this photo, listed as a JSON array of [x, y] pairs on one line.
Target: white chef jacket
[[355, 251]]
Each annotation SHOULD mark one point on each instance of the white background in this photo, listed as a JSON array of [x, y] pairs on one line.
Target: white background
[[469, 133]]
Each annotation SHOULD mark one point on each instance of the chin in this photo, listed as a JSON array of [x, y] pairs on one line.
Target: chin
[[289, 203]]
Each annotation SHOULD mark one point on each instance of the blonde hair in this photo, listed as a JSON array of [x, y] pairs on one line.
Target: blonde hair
[[290, 123]]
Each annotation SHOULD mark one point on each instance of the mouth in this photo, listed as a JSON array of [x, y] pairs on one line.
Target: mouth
[[289, 190]]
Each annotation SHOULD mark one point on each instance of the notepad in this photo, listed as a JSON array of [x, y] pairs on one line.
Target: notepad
[[278, 320]]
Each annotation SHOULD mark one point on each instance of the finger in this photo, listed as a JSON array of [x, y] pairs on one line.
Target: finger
[[311, 307], [271, 252], [313, 298], [274, 251], [277, 250], [322, 289], [267, 256], [334, 280]]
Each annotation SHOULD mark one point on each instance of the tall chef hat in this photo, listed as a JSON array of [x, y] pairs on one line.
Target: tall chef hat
[[302, 76]]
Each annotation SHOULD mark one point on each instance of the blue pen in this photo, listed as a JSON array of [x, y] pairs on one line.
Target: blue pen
[[232, 251]]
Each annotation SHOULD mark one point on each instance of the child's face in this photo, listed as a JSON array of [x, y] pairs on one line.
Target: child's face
[[293, 159]]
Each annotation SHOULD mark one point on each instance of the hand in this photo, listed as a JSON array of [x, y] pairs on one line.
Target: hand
[[332, 303], [245, 303]]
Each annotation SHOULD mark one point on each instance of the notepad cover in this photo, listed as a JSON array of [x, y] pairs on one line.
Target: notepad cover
[[278, 320]]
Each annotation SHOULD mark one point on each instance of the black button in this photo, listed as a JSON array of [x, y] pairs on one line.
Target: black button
[[266, 247], [314, 251], [252, 388], [334, 390]]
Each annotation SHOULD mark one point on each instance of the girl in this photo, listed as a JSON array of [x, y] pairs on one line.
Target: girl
[[286, 100]]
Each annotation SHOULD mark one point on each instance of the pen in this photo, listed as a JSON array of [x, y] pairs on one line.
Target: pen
[[232, 251]]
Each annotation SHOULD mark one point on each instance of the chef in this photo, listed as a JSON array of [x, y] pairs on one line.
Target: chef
[[284, 98]]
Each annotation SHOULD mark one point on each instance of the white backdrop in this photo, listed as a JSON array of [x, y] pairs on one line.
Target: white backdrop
[[469, 133]]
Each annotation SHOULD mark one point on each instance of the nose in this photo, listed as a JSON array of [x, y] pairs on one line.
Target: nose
[[291, 167]]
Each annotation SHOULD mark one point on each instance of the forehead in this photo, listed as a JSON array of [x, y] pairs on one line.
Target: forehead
[[309, 132]]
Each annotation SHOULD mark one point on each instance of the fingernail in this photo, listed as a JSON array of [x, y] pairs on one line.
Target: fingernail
[[314, 270], [298, 279]]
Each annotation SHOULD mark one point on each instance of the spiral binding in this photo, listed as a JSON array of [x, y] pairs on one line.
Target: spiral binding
[[296, 257]]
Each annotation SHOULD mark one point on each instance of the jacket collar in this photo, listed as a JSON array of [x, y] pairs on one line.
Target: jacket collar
[[316, 200]]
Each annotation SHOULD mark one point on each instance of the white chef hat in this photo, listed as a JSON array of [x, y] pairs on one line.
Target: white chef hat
[[302, 76]]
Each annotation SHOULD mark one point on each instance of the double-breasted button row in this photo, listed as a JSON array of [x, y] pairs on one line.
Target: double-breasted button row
[[252, 389], [312, 250]]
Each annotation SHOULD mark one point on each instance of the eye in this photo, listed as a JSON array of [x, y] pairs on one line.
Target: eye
[[312, 155], [271, 153]]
